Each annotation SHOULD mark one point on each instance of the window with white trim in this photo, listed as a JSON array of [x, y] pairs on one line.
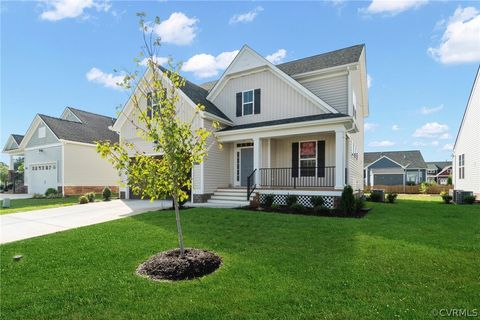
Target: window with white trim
[[153, 102], [42, 132], [461, 166], [308, 158], [247, 102]]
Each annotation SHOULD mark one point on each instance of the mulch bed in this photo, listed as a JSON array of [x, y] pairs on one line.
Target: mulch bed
[[168, 265], [310, 212]]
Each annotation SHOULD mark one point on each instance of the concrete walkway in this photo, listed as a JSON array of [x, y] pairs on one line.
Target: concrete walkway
[[24, 225], [15, 196]]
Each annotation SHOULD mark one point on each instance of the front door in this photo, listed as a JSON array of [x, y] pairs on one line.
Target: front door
[[246, 165]]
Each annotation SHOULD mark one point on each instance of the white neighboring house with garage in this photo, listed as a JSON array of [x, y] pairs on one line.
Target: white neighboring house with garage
[[292, 128], [61, 153], [466, 151]]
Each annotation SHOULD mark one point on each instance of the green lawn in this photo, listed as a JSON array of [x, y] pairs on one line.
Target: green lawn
[[20, 205], [399, 262]]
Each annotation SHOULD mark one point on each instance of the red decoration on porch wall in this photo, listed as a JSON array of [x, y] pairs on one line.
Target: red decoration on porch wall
[[307, 149]]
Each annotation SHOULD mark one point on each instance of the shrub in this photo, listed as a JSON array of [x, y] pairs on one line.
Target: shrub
[[90, 196], [291, 200], [449, 180], [82, 200], [268, 200], [298, 207], [469, 199], [423, 187], [321, 210], [411, 183], [54, 196], [376, 197], [446, 197], [317, 201], [391, 197], [359, 204], [107, 193], [38, 196], [275, 207], [51, 191], [347, 200]]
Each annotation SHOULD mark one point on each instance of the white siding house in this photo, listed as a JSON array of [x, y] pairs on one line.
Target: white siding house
[[293, 128], [466, 161]]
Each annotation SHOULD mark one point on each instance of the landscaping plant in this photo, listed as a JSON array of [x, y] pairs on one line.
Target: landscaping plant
[[268, 200], [375, 197], [181, 143], [447, 199], [82, 199], [359, 204], [51, 191], [90, 196], [317, 201], [298, 207], [291, 200], [469, 199], [347, 200], [106, 193], [391, 197]]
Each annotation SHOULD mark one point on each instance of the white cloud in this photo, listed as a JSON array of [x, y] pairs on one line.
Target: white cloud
[[448, 147], [177, 29], [246, 17], [277, 56], [395, 127], [392, 7], [369, 81], [461, 39], [206, 65], [383, 143], [108, 80], [431, 130], [445, 136], [435, 143], [370, 127], [62, 9], [419, 144], [158, 60], [426, 111]]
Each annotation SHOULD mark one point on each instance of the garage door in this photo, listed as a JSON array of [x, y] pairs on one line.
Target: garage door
[[42, 177], [388, 179]]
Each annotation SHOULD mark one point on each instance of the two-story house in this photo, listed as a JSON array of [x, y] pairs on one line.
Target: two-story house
[[293, 128], [439, 172]]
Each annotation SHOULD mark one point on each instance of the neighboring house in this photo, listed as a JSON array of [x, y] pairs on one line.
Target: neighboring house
[[466, 152], [439, 172], [394, 168], [61, 153], [293, 128]]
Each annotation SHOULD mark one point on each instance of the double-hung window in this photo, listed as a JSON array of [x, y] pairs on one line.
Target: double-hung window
[[308, 158], [153, 102], [461, 166], [247, 102]]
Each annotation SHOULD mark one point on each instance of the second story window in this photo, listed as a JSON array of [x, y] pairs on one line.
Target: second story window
[[247, 102], [153, 103], [461, 166]]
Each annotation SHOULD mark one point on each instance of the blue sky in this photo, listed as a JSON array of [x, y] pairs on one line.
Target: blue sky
[[421, 56]]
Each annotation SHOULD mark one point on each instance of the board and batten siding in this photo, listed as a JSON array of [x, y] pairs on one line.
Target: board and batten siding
[[48, 155], [355, 165], [279, 100], [468, 143], [216, 164], [35, 141], [332, 90]]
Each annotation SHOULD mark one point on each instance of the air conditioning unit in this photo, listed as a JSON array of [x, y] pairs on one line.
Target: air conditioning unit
[[459, 195], [381, 192]]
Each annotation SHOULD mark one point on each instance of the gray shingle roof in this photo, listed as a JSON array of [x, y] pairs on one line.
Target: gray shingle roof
[[409, 159], [285, 121], [321, 61], [94, 127], [18, 138], [438, 165]]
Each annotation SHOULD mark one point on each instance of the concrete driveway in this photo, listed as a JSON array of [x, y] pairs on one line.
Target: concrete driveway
[[24, 225], [15, 196]]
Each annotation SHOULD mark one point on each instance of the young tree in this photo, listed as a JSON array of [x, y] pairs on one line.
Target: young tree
[[155, 102]]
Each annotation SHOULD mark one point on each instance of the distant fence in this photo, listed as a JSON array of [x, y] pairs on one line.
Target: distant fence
[[434, 189]]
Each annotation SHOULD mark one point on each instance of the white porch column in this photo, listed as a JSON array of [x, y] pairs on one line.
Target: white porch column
[[339, 159], [257, 158]]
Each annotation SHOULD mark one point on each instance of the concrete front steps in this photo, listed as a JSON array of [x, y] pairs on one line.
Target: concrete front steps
[[230, 197]]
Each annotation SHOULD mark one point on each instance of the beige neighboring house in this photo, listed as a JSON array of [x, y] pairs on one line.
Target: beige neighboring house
[[466, 151], [61, 153], [292, 128]]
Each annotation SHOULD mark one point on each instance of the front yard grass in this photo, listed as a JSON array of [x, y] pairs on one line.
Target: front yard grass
[[401, 261], [20, 205]]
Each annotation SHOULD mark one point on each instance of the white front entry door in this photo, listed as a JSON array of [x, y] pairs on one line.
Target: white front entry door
[[42, 177]]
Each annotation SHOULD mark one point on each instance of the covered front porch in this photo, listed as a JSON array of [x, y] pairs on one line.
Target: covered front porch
[[297, 159]]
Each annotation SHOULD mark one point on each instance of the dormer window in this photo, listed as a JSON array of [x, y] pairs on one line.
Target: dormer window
[[248, 102]]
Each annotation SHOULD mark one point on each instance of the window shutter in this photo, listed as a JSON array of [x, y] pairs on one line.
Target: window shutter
[[256, 101], [321, 159], [294, 159], [239, 104]]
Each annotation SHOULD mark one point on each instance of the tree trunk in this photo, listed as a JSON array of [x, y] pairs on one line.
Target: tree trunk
[[179, 226]]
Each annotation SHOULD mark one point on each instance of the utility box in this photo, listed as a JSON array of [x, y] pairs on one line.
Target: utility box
[[6, 203], [381, 192], [459, 195]]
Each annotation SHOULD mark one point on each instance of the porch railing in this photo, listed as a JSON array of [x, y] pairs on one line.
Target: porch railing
[[302, 177], [251, 184]]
